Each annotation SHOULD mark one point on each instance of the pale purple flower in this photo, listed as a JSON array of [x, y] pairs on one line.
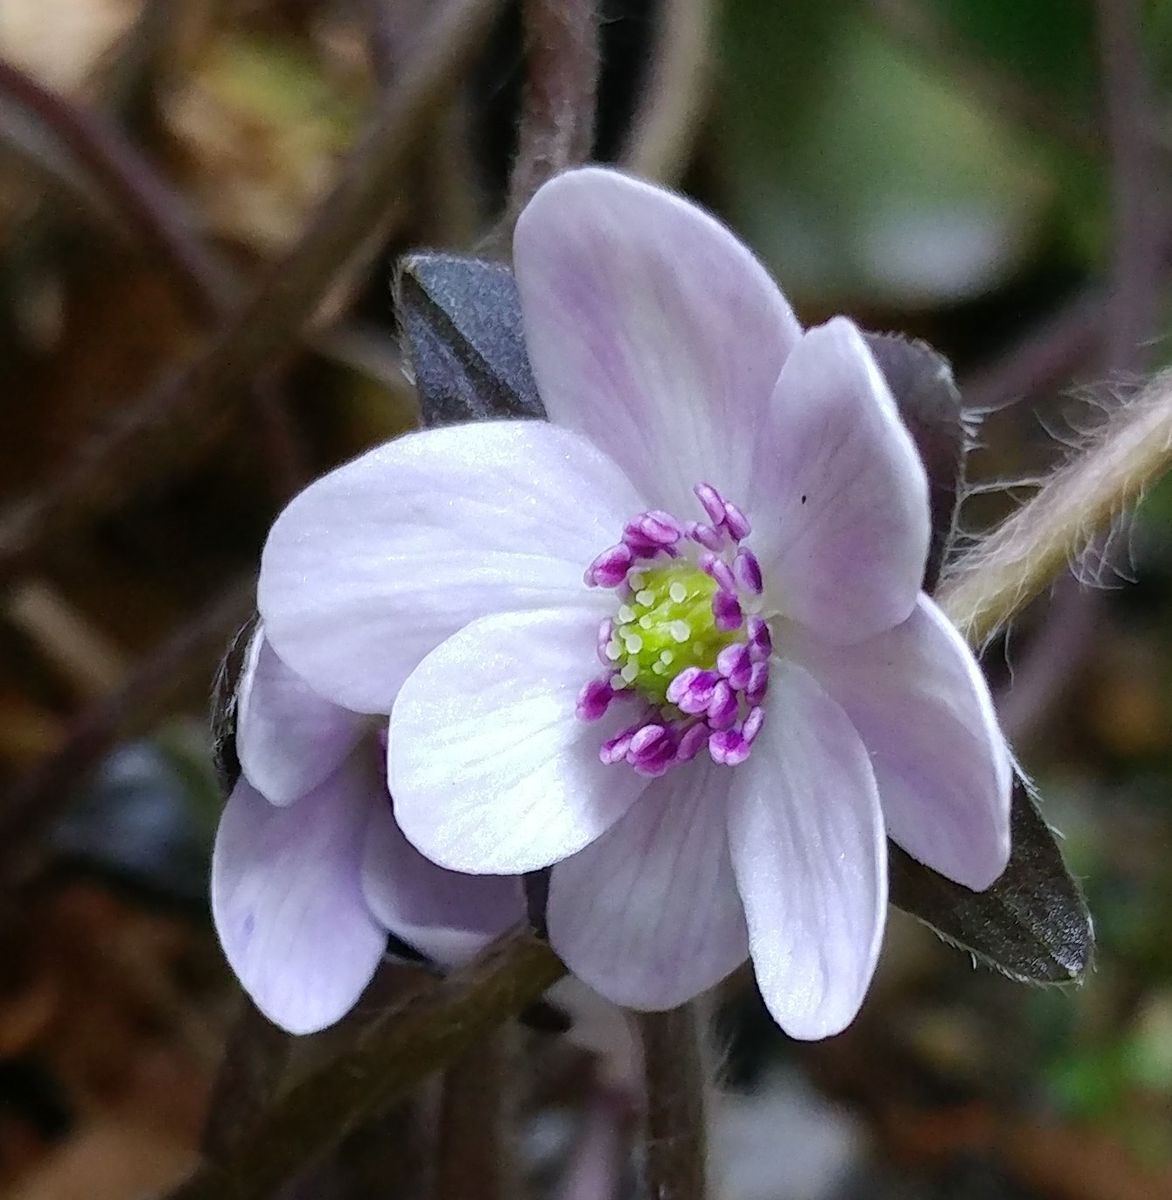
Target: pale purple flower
[[310, 869], [671, 642]]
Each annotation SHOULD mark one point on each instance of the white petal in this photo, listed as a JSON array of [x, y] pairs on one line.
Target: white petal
[[447, 916], [287, 898], [652, 330], [845, 535], [288, 738], [810, 857], [649, 915], [921, 705], [371, 567], [491, 770]]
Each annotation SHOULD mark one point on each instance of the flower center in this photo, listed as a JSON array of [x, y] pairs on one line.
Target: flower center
[[666, 625], [686, 645]]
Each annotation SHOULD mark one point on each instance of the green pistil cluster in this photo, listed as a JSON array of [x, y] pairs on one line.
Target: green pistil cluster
[[666, 625]]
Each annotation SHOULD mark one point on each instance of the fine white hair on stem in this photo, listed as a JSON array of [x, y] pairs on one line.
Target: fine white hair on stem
[[1081, 501]]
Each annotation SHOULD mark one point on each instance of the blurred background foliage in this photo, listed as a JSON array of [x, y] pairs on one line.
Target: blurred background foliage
[[945, 167]]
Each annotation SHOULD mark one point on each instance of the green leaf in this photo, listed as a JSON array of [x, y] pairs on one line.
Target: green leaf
[[461, 320], [1032, 924]]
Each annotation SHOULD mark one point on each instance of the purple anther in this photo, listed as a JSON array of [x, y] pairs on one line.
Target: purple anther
[[716, 567], [658, 527], [610, 568], [722, 708], [651, 751], [747, 570], [752, 724], [726, 611], [712, 501], [760, 639], [706, 535], [736, 522], [691, 690], [734, 663], [594, 699], [728, 748], [605, 634], [692, 742], [616, 749], [758, 683]]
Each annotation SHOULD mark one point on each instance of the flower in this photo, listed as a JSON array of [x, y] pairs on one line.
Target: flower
[[670, 642], [310, 869]]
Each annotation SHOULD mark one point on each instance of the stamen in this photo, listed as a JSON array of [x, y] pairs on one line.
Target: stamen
[[610, 568], [594, 699], [747, 570], [605, 637], [726, 611], [758, 683], [712, 501], [720, 571], [736, 522], [722, 708], [706, 535], [734, 663]]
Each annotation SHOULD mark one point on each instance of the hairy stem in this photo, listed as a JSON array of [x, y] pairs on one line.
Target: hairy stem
[[1020, 558], [428, 1029], [676, 1143], [557, 115], [475, 1154]]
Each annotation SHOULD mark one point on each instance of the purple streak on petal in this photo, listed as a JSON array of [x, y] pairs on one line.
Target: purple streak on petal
[[719, 570], [705, 535], [758, 683], [747, 570], [736, 522], [726, 610], [712, 501], [722, 708], [594, 699], [760, 639], [735, 664], [610, 568]]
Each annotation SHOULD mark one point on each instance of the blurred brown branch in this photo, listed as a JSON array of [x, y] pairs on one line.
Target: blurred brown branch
[[431, 1027], [192, 403]]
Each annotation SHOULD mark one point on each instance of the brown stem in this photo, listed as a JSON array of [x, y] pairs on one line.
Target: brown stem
[[557, 115], [254, 1059], [191, 404], [474, 1157], [428, 1030], [676, 1142], [128, 185]]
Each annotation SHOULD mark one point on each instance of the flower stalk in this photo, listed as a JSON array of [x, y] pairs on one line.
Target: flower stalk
[[1081, 500], [675, 1134]]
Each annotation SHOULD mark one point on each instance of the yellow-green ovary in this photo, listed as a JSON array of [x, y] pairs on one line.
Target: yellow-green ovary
[[665, 626]]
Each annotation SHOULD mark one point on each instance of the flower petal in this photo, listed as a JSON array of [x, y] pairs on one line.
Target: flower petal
[[922, 707], [287, 898], [447, 916], [372, 566], [288, 738], [649, 915], [491, 769], [810, 857], [844, 535], [652, 330]]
